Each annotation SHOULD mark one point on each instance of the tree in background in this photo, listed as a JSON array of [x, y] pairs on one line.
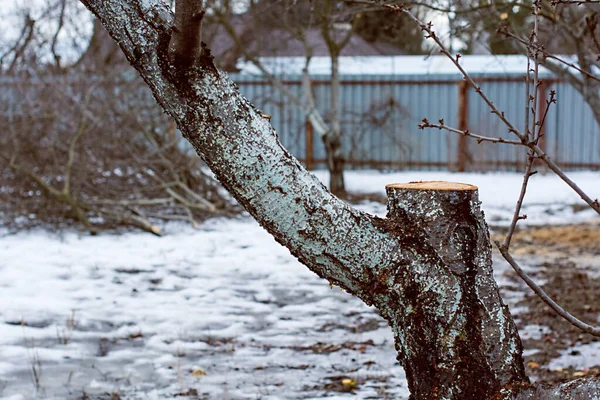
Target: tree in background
[[475, 24], [298, 23], [322, 27], [375, 25]]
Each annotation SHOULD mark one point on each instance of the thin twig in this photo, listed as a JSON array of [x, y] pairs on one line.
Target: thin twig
[[527, 88], [430, 34], [536, 70], [548, 55], [595, 331], [132, 202], [426, 124], [530, 116], [517, 213]]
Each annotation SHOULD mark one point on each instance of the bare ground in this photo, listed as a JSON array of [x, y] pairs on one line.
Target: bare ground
[[566, 261]]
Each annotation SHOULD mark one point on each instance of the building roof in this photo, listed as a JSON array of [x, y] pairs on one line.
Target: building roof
[[394, 65]]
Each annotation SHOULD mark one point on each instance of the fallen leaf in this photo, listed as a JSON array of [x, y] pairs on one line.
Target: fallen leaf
[[533, 364], [349, 382]]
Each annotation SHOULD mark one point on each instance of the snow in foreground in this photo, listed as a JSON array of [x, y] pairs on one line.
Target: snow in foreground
[[222, 311]]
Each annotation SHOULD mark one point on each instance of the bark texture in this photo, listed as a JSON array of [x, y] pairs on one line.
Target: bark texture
[[458, 339], [185, 47], [580, 389], [427, 267]]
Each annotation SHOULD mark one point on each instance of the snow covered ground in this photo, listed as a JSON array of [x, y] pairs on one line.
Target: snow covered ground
[[221, 312], [549, 200]]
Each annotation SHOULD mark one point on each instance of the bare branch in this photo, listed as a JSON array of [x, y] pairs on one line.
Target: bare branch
[[61, 19], [426, 124], [517, 212], [430, 34], [71, 153], [19, 48], [595, 331], [132, 202], [547, 55], [185, 47]]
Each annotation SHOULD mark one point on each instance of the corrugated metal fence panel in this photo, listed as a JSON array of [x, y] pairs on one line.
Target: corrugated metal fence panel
[[576, 138], [380, 117]]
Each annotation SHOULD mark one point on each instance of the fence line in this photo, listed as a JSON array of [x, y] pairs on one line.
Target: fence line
[[380, 115]]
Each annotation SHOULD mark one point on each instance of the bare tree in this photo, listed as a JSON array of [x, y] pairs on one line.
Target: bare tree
[[563, 27], [329, 21], [427, 267], [298, 21], [49, 39], [109, 159]]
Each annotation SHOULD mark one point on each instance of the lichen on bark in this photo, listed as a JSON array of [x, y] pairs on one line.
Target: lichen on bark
[[427, 267]]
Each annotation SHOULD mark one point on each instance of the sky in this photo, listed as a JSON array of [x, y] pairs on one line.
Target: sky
[[72, 39]]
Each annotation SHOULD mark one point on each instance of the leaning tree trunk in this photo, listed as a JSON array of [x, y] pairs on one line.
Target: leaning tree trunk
[[427, 267]]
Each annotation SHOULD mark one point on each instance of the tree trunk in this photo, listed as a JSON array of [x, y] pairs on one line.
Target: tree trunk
[[427, 267], [335, 164], [333, 138], [455, 337]]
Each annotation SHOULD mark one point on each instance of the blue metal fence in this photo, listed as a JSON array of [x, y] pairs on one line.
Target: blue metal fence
[[380, 115]]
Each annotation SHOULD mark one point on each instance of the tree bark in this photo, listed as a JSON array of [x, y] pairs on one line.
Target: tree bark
[[333, 138], [457, 338], [427, 267]]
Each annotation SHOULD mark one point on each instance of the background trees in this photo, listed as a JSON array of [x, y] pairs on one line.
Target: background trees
[[323, 27], [84, 140]]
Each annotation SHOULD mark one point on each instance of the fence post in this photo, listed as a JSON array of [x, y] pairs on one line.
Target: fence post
[[463, 124], [308, 156]]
